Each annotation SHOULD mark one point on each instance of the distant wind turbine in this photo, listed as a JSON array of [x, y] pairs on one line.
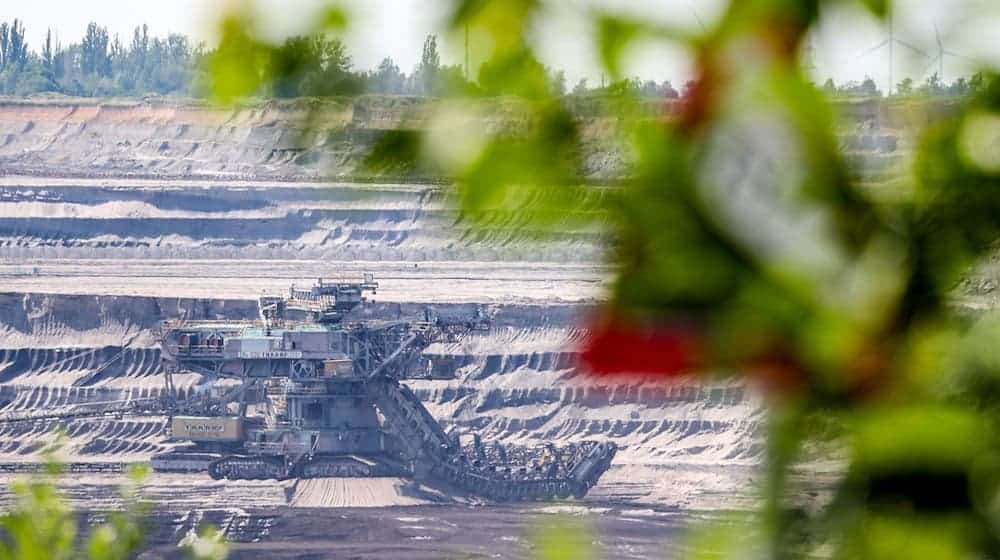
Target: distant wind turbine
[[941, 54], [890, 42]]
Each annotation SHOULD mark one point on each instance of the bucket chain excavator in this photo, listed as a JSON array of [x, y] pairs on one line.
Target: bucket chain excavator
[[309, 391]]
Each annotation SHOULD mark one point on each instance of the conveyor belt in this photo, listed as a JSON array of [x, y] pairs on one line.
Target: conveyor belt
[[84, 410], [426, 442]]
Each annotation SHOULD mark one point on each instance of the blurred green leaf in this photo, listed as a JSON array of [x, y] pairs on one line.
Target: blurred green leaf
[[564, 540], [883, 537], [515, 72], [533, 176], [505, 21], [934, 437], [395, 152], [730, 537], [138, 472], [614, 36], [334, 18], [39, 526], [315, 64], [236, 67], [878, 7], [208, 544]]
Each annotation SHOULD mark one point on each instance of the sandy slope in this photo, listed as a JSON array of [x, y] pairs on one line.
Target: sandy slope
[[89, 267], [172, 138]]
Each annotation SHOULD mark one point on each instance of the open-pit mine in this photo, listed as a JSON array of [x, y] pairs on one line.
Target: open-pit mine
[[146, 255]]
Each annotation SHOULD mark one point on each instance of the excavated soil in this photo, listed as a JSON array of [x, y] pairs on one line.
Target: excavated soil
[[290, 139], [89, 267], [166, 211]]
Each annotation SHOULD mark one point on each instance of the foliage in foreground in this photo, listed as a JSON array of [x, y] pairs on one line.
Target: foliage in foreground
[[40, 525], [746, 243]]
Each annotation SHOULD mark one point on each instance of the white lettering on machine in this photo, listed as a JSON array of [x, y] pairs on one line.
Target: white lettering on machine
[[277, 354]]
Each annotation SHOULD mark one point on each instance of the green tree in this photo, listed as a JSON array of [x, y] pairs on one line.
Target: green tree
[[865, 89], [94, 56], [958, 88], [932, 86], [4, 44], [13, 47], [868, 88], [333, 74], [977, 83], [132, 74], [48, 55], [667, 90], [430, 64], [387, 78], [557, 82], [905, 87], [451, 81], [297, 60]]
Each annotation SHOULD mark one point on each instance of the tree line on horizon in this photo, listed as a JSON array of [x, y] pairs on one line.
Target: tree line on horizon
[[932, 86], [103, 66]]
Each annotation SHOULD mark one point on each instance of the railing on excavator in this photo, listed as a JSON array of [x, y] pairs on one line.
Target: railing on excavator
[[201, 350]]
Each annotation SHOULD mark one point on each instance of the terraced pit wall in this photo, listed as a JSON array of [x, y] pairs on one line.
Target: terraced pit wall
[[115, 215], [516, 383], [266, 139]]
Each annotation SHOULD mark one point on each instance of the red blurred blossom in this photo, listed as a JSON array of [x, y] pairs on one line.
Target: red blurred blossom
[[782, 37], [777, 372], [619, 347], [867, 373], [695, 107]]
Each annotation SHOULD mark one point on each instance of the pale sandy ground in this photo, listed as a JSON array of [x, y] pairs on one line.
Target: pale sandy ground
[[355, 492], [424, 282], [664, 488], [172, 491], [690, 454], [159, 183]]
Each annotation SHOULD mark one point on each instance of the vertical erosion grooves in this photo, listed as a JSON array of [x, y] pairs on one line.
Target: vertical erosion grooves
[[66, 368], [64, 381], [520, 385]]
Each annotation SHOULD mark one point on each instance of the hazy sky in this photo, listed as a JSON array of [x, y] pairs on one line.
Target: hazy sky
[[396, 28]]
